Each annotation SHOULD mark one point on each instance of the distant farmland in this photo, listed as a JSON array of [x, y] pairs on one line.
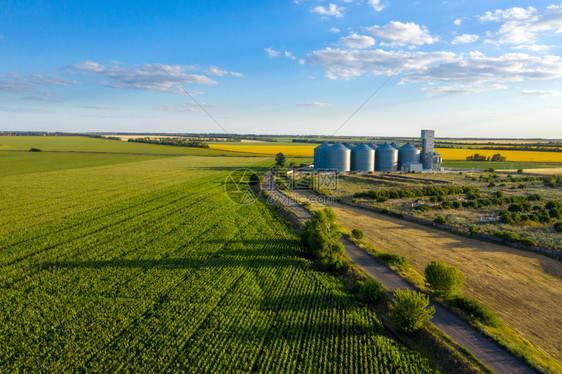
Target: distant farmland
[[448, 154]]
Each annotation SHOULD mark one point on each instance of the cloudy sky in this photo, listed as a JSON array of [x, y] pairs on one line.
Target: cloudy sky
[[351, 67]]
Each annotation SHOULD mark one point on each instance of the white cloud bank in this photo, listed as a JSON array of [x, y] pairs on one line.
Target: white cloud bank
[[357, 41], [24, 83], [331, 11], [403, 34], [349, 64], [521, 26], [149, 77], [465, 39]]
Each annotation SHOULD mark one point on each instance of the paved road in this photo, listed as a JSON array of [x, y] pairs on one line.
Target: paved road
[[487, 351]]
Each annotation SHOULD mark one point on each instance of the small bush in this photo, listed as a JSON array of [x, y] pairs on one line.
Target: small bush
[[34, 150], [396, 260], [507, 236], [370, 291], [409, 310], [424, 208], [528, 242], [515, 208], [443, 280], [476, 310], [558, 226], [553, 205], [440, 220], [357, 234], [472, 230], [519, 171]]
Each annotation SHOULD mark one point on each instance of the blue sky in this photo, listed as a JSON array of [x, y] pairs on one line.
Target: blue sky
[[464, 68]]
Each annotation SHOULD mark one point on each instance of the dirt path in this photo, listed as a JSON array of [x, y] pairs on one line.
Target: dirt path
[[485, 350]]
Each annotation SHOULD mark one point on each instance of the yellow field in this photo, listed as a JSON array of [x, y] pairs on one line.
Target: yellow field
[[448, 154], [287, 150], [453, 154]]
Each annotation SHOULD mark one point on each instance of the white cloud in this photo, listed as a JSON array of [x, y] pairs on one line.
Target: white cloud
[[398, 33], [532, 47], [457, 22], [462, 89], [150, 77], [465, 39], [480, 69], [521, 26], [24, 83], [87, 66], [332, 11], [214, 70], [349, 64], [289, 55], [315, 104], [357, 41], [334, 30], [43, 96], [271, 52], [540, 93], [376, 4], [509, 14]]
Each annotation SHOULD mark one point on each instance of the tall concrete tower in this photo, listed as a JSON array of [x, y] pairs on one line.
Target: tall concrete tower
[[428, 142]]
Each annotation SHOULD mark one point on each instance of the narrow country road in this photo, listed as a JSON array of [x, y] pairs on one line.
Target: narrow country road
[[487, 351]]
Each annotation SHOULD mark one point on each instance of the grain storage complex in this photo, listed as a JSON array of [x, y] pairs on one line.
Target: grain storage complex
[[386, 157]]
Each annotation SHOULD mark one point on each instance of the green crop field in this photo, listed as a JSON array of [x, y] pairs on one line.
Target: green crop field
[[14, 163], [145, 265], [85, 144]]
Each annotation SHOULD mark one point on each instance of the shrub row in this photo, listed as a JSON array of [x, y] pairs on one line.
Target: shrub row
[[383, 195]]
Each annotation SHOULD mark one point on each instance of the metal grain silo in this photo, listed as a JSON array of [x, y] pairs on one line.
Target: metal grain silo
[[338, 157], [362, 158], [320, 156], [408, 154], [386, 158], [394, 145]]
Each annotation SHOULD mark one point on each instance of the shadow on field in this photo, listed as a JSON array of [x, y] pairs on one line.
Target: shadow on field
[[274, 253]]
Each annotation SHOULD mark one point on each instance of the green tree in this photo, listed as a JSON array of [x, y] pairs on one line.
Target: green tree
[[280, 159], [370, 290], [357, 234], [409, 310], [322, 233], [444, 280]]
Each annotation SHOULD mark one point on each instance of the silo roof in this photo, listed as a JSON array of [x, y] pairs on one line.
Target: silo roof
[[408, 146], [385, 146]]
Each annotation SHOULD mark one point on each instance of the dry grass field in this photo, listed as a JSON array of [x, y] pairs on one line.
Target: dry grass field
[[523, 288]]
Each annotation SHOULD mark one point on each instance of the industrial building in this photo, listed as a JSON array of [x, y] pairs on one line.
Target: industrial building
[[386, 157]]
